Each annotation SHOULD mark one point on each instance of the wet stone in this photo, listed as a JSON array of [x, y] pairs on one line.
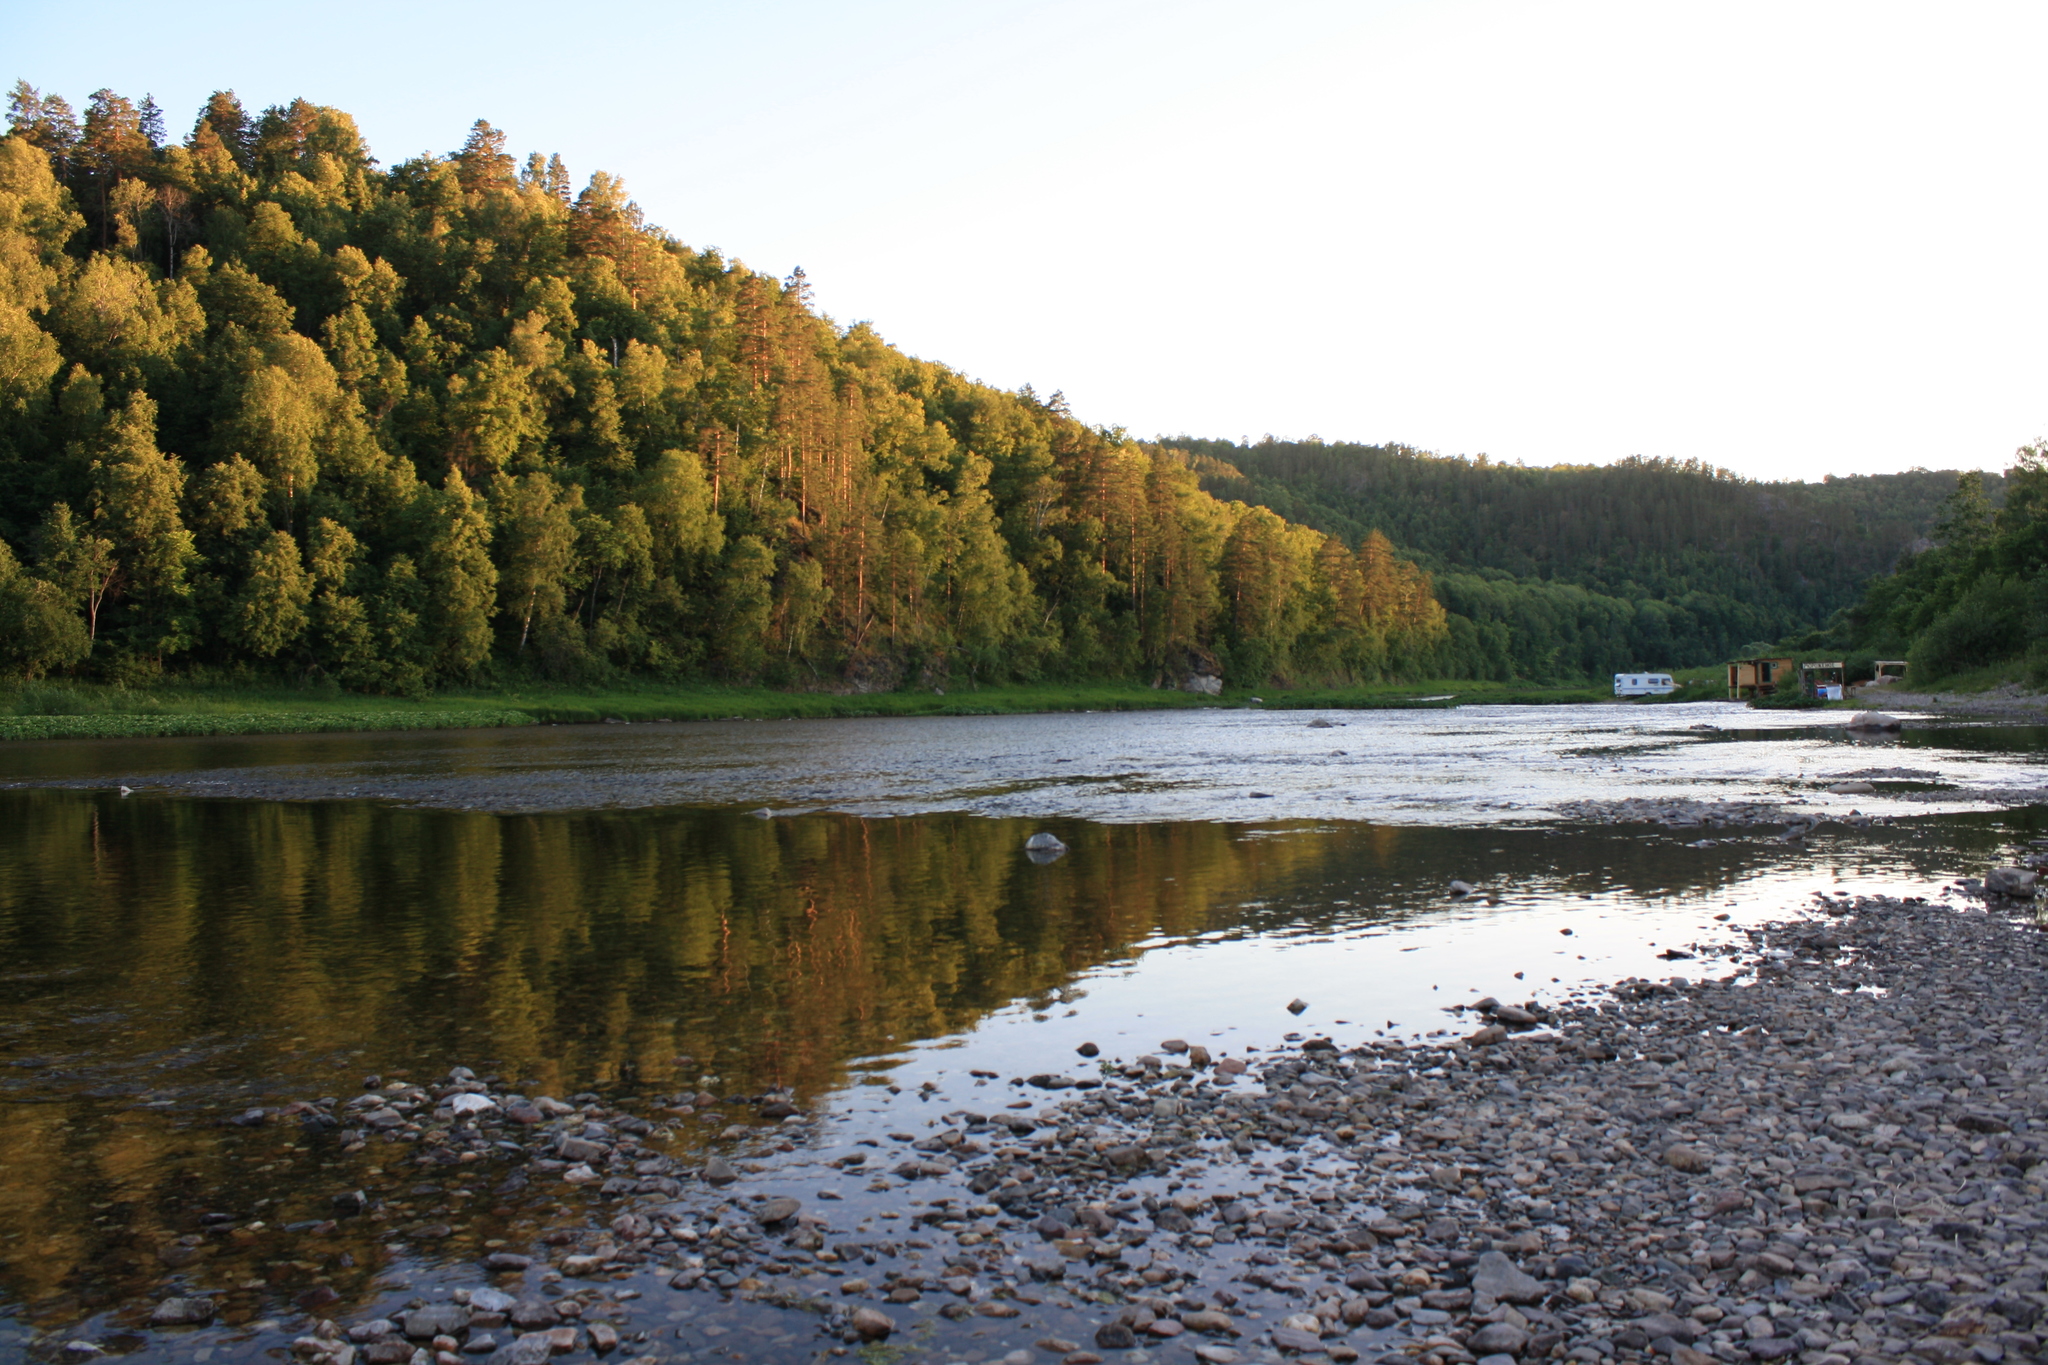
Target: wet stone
[[1294, 1339], [872, 1324], [1115, 1336], [182, 1312], [580, 1150], [777, 1210], [532, 1349], [533, 1314], [488, 1300], [436, 1320]]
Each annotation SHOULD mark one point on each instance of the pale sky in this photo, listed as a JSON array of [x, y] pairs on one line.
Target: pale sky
[[1790, 239]]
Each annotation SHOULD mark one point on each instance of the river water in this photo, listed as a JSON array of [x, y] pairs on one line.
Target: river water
[[189, 928]]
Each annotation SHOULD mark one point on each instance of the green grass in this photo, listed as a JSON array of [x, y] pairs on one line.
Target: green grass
[[2011, 671], [70, 710], [107, 726], [703, 701], [1699, 684]]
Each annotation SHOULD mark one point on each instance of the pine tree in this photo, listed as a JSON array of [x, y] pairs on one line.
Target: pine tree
[[483, 163], [151, 121], [227, 122], [45, 122], [112, 149]]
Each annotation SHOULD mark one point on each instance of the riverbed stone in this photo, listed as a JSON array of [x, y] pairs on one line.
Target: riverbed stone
[[1680, 1156], [436, 1320], [182, 1312], [2012, 881], [873, 1324], [777, 1210], [530, 1315], [534, 1348], [1296, 1339], [1497, 1277], [1210, 1322], [1115, 1336], [576, 1150], [1498, 1338]]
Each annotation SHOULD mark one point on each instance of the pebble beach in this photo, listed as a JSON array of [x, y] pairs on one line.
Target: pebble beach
[[1820, 1144]]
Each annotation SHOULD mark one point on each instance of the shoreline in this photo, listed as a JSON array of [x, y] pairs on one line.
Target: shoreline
[[218, 713], [1820, 1149], [2006, 702]]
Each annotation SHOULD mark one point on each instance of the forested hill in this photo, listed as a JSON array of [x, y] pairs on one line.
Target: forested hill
[[271, 408], [1678, 563]]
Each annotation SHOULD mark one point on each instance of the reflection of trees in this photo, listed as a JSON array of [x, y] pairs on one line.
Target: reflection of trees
[[227, 954], [222, 954]]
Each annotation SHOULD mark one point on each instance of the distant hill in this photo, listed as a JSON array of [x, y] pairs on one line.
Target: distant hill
[[1597, 568]]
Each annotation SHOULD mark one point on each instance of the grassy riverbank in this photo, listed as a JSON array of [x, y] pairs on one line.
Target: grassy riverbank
[[64, 710]]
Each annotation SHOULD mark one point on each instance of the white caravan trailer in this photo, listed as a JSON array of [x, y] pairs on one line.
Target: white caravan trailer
[[1643, 685]]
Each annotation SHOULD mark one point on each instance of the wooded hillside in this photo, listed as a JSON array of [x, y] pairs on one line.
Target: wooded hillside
[[1975, 596], [272, 408], [1598, 568]]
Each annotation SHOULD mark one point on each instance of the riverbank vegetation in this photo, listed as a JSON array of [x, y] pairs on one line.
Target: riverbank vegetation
[[69, 710], [1967, 608]]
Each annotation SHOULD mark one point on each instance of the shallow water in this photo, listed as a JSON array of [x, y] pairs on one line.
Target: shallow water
[[593, 909], [1463, 766]]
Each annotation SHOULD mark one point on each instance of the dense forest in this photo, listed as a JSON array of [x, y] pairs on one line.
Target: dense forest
[[1593, 569], [274, 410], [1974, 596]]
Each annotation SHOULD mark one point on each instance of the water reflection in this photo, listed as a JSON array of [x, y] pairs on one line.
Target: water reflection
[[168, 962]]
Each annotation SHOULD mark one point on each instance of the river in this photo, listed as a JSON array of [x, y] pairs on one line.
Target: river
[[841, 909]]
